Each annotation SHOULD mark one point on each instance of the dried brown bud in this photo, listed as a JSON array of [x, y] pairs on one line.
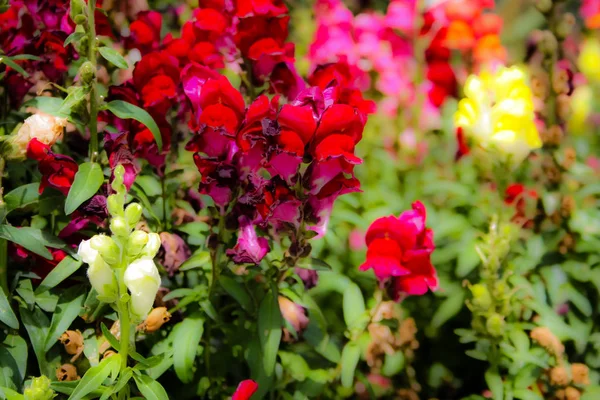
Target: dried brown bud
[[108, 353], [43, 127], [559, 376], [563, 106], [567, 206], [407, 332], [548, 340], [570, 156], [157, 317], [580, 374], [552, 136], [560, 81], [539, 86], [566, 244], [67, 372], [572, 394], [73, 342]]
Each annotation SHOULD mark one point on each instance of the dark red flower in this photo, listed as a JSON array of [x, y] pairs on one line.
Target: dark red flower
[[399, 249], [245, 390], [156, 77], [522, 199], [145, 32], [249, 247], [58, 171], [462, 146], [39, 265]]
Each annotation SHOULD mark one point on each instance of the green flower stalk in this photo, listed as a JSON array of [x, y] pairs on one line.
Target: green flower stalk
[[121, 267]]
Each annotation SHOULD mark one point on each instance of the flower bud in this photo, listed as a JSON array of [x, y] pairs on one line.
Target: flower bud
[[107, 248], [76, 10], [119, 227], [99, 273], [39, 389], [481, 296], [543, 6], [548, 44], [117, 183], [572, 393], [115, 204], [155, 319], [86, 72], [565, 26], [152, 246], [495, 325], [133, 213], [67, 373], [136, 242], [43, 127], [142, 280]]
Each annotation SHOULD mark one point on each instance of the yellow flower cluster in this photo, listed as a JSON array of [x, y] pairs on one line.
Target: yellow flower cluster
[[497, 114]]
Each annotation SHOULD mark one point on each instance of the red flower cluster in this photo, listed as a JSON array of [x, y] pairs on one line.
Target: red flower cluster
[[399, 251], [58, 171], [39, 29], [254, 157], [439, 71]]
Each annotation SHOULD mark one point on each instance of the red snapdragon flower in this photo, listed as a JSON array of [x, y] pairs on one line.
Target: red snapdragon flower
[[519, 196], [145, 32], [58, 171], [245, 390], [399, 250]]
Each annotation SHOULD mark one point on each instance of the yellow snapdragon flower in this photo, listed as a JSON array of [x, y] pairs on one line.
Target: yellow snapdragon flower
[[497, 113], [589, 59]]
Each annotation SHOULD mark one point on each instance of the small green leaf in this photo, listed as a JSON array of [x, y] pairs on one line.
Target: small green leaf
[[66, 311], [37, 324], [151, 389], [73, 37], [22, 197], [353, 304], [109, 336], [314, 264], [113, 56], [448, 309], [269, 330], [7, 315], [122, 109], [9, 394], [197, 260], [350, 358], [62, 271], [88, 180], [494, 382], [76, 96], [186, 337], [49, 105], [237, 291], [10, 63], [94, 377], [27, 237], [13, 362]]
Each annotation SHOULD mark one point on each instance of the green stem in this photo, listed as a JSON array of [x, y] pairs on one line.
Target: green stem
[[124, 322], [216, 256], [93, 92], [3, 242]]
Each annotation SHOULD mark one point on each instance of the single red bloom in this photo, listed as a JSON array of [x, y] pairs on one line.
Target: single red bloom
[[245, 390], [399, 249], [58, 171], [145, 31]]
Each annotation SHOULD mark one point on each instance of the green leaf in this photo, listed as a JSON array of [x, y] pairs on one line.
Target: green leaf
[[186, 337], [27, 237], [88, 179], [122, 109], [113, 56], [448, 309], [62, 271], [95, 376], [75, 97], [66, 311], [525, 394], [197, 260], [237, 291], [73, 37], [350, 358], [37, 324], [353, 304], [494, 382], [314, 264], [7, 315], [22, 197], [151, 389], [9, 394], [49, 105], [13, 362], [269, 329], [109, 336], [10, 63]]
